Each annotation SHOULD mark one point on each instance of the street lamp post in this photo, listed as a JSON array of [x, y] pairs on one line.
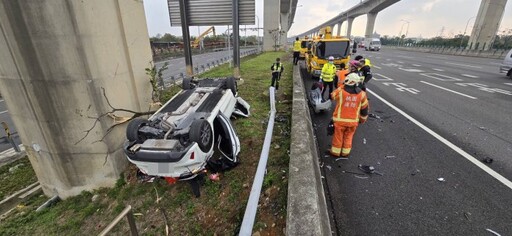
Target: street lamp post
[[406, 31], [258, 32], [462, 38]]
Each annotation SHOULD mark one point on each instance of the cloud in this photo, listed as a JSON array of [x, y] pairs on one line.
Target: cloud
[[427, 7]]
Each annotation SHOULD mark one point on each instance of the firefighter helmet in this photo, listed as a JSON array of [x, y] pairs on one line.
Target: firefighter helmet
[[351, 79]]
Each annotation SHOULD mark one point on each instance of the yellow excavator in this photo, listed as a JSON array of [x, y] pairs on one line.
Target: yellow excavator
[[199, 39]]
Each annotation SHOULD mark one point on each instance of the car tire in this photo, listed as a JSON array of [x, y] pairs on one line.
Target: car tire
[[132, 131], [231, 85], [186, 83], [201, 133]]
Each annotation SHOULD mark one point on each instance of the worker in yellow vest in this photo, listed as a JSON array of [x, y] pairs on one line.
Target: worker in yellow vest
[[327, 76], [296, 51]]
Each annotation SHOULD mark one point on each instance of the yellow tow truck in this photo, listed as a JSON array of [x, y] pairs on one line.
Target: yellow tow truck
[[322, 47], [304, 47]]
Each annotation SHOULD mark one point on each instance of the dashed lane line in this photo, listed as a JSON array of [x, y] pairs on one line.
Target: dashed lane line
[[449, 90], [451, 63], [437, 69], [463, 153], [1, 100], [2, 112], [509, 84], [470, 76], [377, 67], [416, 65]]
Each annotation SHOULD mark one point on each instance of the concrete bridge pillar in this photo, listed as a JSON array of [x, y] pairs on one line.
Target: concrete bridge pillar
[[284, 28], [349, 26], [271, 12], [339, 28], [370, 24], [56, 56], [487, 23]]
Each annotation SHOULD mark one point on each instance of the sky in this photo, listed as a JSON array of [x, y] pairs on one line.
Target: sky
[[427, 18]]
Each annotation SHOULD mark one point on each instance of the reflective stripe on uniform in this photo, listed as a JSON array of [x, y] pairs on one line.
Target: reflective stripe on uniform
[[336, 151], [346, 150]]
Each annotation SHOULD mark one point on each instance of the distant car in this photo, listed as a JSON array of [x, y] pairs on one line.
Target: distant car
[[506, 66], [178, 141]]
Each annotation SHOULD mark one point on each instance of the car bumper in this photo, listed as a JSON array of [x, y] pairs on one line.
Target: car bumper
[[505, 68], [167, 162]]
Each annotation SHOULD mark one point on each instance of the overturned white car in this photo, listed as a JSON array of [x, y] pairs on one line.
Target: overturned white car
[[178, 141]]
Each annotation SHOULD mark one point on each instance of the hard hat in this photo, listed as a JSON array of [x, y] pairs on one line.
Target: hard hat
[[351, 79], [331, 58], [354, 63]]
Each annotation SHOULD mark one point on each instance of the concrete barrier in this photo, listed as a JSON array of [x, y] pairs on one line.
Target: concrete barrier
[[493, 53], [307, 208]]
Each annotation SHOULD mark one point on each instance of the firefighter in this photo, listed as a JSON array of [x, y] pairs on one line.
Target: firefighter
[[341, 74], [276, 68], [296, 51], [327, 76], [351, 109]]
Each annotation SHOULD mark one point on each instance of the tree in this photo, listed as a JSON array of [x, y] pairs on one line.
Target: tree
[[276, 35]]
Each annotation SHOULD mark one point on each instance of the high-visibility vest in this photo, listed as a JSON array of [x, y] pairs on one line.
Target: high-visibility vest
[[348, 106], [277, 67], [328, 72], [367, 62], [296, 46]]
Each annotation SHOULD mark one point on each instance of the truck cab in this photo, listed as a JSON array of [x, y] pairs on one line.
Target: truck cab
[[372, 44], [324, 46]]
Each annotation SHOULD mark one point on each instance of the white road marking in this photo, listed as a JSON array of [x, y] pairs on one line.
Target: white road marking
[[2, 112], [449, 90], [400, 62], [411, 70], [438, 77], [479, 67], [408, 57], [376, 67], [509, 84], [486, 88], [437, 69], [1, 100], [470, 76], [466, 155], [402, 87], [391, 64], [385, 78], [416, 65]]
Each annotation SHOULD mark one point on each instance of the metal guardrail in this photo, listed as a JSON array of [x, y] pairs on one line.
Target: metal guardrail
[[131, 221], [204, 67], [252, 203]]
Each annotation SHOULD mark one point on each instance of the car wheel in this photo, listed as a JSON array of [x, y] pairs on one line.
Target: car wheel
[[132, 131], [186, 83], [231, 84], [201, 133]]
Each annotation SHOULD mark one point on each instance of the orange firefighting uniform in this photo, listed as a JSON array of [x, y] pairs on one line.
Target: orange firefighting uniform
[[341, 74], [351, 109]]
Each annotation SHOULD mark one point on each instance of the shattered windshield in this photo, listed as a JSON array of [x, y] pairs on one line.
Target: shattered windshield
[[338, 49]]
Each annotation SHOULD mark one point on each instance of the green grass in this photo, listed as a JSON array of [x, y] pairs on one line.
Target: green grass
[[20, 176], [220, 208]]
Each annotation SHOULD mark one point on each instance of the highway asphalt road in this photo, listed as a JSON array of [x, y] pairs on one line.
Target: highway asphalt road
[[433, 182], [177, 66], [4, 117]]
